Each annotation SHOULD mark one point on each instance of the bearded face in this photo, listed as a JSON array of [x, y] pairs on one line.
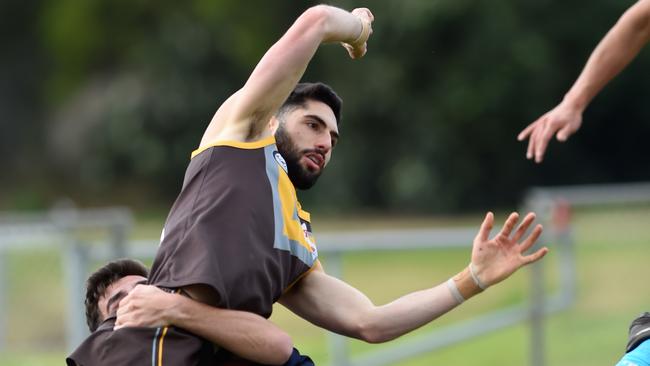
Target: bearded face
[[302, 177]]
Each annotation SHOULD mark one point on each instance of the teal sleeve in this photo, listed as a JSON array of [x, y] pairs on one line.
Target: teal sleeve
[[640, 356]]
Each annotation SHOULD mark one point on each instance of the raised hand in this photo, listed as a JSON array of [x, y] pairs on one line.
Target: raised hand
[[562, 121], [496, 259], [359, 46], [144, 306]]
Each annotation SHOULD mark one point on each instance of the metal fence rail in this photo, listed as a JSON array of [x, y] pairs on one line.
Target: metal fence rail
[[336, 245], [59, 229]]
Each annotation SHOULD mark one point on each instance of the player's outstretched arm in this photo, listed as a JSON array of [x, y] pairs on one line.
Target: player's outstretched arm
[[245, 115], [245, 334], [337, 306], [621, 44]]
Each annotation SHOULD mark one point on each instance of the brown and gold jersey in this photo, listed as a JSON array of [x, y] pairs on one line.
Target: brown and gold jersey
[[237, 227]]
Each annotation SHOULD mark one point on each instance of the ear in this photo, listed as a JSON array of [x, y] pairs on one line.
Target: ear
[[274, 123]]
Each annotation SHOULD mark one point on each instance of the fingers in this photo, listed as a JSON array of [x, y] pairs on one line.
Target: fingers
[[524, 227], [355, 52], [358, 48], [371, 16], [526, 132], [539, 133], [123, 307], [121, 318], [542, 141], [532, 139], [531, 133], [364, 12], [348, 48], [532, 258], [510, 224], [564, 133], [124, 321], [486, 227], [530, 240], [120, 322], [531, 147], [358, 52]]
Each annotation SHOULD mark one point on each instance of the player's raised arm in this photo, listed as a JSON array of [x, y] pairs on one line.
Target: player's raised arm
[[245, 334], [337, 306], [621, 44], [245, 115]]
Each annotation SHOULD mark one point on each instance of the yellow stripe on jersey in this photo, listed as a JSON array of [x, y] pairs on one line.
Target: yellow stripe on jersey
[[238, 144], [160, 345], [304, 214], [292, 228]]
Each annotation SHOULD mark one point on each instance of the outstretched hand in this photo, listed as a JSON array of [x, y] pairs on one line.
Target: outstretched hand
[[144, 306], [497, 258], [562, 121], [359, 47]]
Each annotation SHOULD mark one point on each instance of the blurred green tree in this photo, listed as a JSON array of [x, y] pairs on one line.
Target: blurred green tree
[[103, 101]]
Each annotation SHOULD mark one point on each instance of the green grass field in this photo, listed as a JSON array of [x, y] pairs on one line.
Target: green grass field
[[613, 246]]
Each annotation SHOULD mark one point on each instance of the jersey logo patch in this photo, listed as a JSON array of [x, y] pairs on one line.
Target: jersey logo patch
[[281, 161], [309, 238]]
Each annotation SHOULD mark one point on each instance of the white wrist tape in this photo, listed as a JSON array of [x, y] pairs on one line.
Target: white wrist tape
[[454, 291], [363, 36], [477, 281]]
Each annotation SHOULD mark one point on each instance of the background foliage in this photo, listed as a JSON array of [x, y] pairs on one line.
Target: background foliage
[[102, 101]]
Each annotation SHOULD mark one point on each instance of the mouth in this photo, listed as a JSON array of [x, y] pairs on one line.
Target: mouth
[[314, 161]]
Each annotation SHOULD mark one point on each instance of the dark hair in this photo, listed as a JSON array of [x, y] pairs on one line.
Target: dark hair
[[101, 279], [313, 91]]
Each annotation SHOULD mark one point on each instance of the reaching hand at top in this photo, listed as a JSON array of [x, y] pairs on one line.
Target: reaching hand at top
[[562, 121], [619, 47]]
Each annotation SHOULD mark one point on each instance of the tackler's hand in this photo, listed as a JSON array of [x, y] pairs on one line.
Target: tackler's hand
[[358, 47], [494, 260], [144, 306]]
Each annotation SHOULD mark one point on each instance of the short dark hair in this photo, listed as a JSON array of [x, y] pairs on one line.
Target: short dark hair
[[313, 91], [101, 279]]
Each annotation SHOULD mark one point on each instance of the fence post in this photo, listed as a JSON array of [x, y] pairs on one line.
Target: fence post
[[539, 205], [118, 234], [74, 267], [3, 299], [564, 241], [338, 344], [537, 341]]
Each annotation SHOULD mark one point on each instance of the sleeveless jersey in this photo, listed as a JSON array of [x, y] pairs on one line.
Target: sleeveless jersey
[[237, 227]]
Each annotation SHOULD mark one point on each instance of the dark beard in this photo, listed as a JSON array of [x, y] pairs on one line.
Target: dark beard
[[300, 177]]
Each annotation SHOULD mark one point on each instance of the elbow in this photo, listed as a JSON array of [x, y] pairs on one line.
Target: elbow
[[283, 346], [638, 19], [372, 333], [316, 18], [275, 350], [317, 14], [375, 337]]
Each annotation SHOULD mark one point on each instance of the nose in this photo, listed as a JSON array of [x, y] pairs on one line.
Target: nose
[[324, 144]]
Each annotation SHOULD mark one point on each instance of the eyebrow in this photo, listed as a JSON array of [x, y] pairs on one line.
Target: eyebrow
[[119, 296], [334, 134], [115, 298]]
